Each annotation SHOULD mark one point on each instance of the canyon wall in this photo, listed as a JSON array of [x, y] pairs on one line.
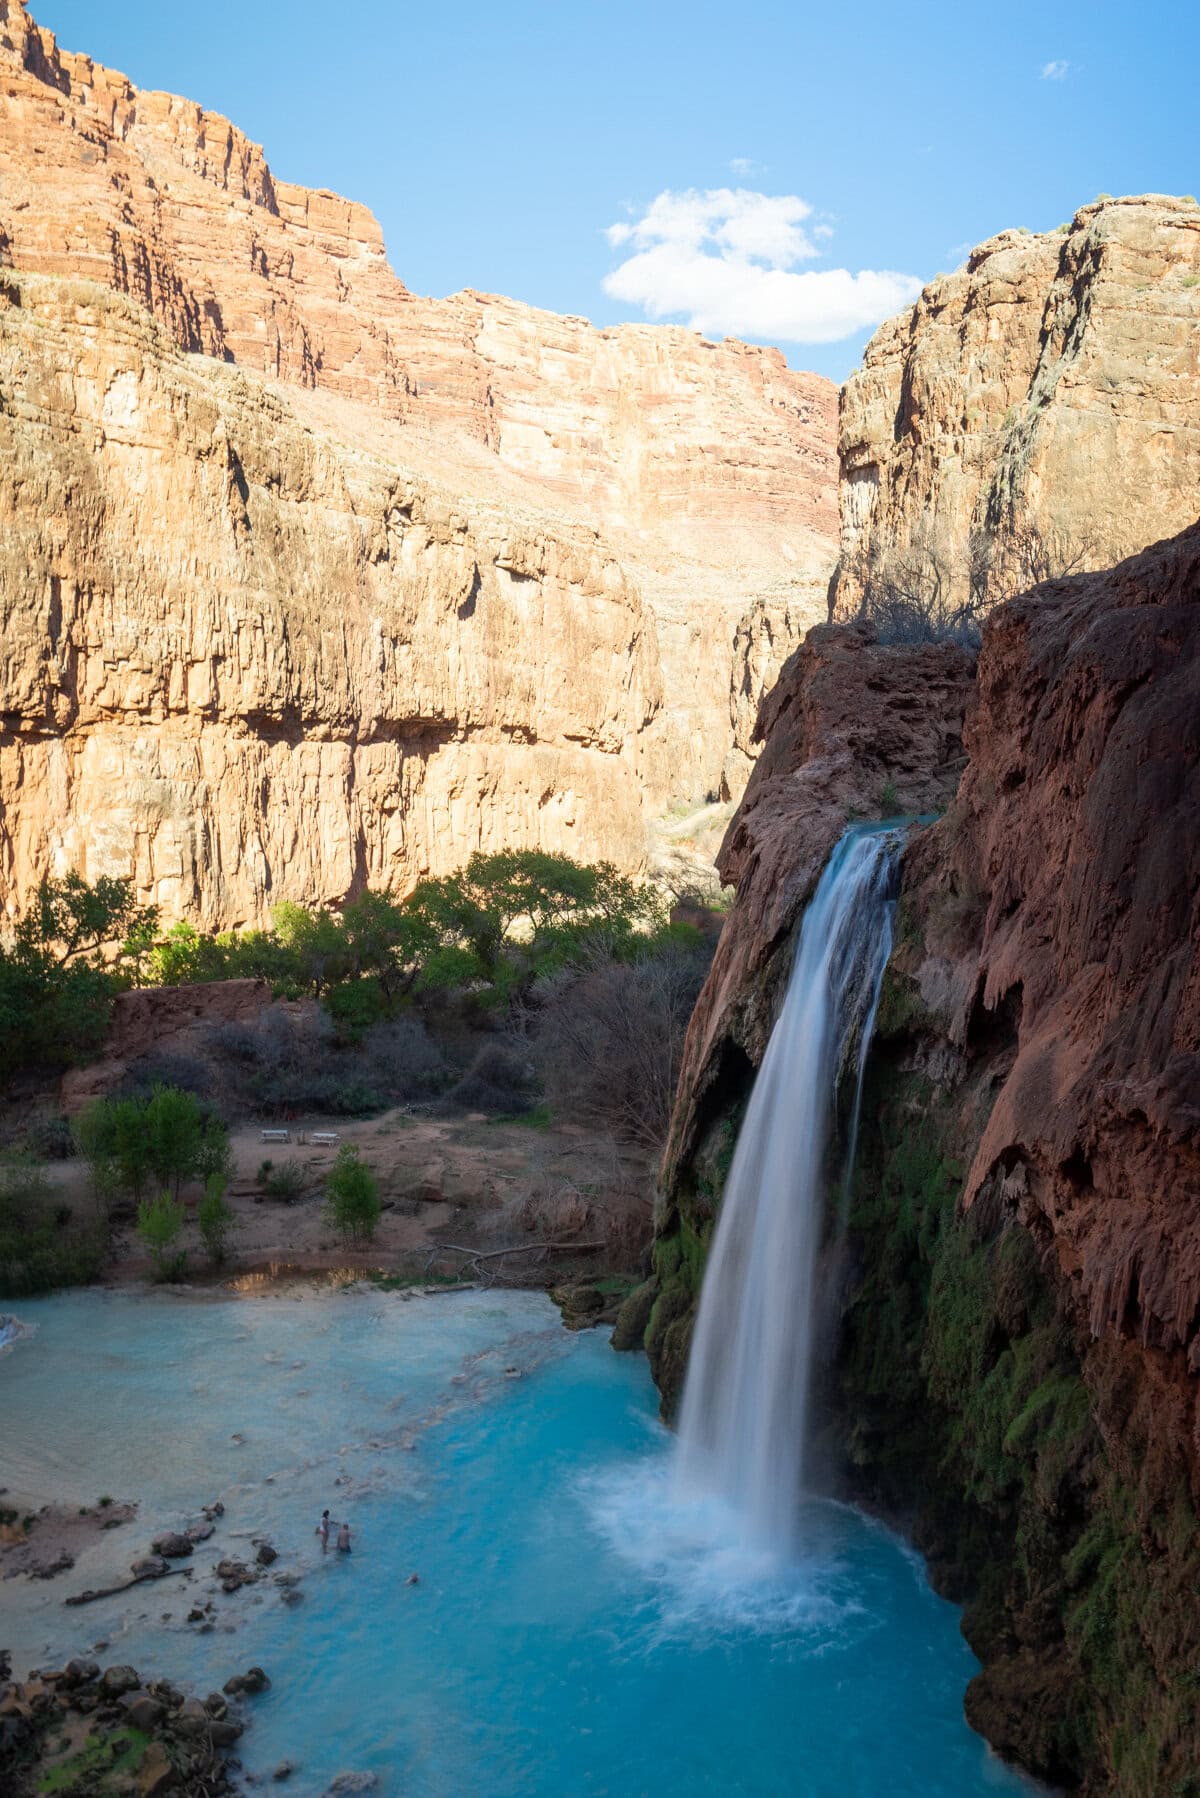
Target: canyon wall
[[1010, 1332], [243, 662], [1035, 413], [709, 469]]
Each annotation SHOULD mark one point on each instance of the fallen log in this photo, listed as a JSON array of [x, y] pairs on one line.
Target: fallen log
[[523, 1248], [138, 1579]]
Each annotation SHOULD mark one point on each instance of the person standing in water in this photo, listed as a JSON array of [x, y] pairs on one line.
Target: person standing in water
[[343, 1539], [322, 1530]]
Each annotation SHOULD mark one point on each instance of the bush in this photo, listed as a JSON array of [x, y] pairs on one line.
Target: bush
[[500, 1079], [40, 1247], [214, 1218], [159, 1223], [284, 1183], [51, 1139], [610, 1040], [352, 1197]]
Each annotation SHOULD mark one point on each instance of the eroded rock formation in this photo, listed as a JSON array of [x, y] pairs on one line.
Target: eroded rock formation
[[1016, 1312], [1036, 412], [244, 662], [708, 469]]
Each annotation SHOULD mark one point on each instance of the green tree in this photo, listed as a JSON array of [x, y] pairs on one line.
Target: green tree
[[167, 1138], [352, 1197], [67, 958], [159, 1224], [317, 942], [215, 1219]]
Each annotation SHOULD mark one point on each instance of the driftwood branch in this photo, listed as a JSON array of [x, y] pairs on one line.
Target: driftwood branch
[[524, 1248], [139, 1579]]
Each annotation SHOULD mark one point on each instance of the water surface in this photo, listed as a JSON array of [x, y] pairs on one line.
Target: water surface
[[573, 1631]]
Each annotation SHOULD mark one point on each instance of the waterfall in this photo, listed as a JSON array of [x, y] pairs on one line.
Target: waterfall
[[745, 1401]]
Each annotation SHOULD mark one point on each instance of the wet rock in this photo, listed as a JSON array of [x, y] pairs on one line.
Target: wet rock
[[142, 1711], [173, 1544], [629, 1331], [284, 1770], [115, 1681], [351, 1782], [79, 1672], [149, 1567], [191, 1719], [266, 1554], [198, 1532], [216, 1705], [251, 1681], [217, 1509], [223, 1732]]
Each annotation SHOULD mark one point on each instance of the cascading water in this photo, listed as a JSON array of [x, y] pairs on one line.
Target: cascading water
[[742, 1424]]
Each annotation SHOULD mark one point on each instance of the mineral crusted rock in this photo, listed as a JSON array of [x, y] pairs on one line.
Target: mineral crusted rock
[[1035, 413]]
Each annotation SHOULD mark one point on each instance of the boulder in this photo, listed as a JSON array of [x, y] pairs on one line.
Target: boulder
[[149, 1567], [79, 1672], [142, 1711], [266, 1554], [191, 1719], [173, 1544], [115, 1681]]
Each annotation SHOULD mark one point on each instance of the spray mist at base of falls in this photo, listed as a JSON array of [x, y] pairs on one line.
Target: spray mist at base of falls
[[743, 1420]]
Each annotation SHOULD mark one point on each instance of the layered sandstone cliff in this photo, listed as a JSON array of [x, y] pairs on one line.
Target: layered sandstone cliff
[[243, 662], [709, 468], [1011, 1334], [1035, 413]]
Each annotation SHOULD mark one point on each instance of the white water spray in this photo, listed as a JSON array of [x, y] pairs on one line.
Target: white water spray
[[745, 1402]]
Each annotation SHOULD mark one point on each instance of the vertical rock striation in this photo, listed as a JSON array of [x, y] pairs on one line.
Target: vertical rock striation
[[1036, 412], [709, 469]]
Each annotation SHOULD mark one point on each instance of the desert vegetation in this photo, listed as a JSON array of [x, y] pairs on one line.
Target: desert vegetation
[[525, 987], [931, 589]]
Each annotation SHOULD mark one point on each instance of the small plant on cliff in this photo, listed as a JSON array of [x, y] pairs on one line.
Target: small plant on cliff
[[159, 1224], [352, 1204], [215, 1219]]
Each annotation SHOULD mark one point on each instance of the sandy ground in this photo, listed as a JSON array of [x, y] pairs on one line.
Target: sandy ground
[[460, 1180]]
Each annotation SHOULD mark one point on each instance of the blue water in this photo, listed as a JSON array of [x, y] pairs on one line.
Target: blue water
[[572, 1631]]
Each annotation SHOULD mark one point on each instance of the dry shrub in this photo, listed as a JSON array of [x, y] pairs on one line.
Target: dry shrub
[[609, 1042]]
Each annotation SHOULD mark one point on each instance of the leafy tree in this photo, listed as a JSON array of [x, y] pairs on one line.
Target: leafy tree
[[68, 956], [215, 1219], [352, 1197], [169, 1137], [159, 1224], [316, 941]]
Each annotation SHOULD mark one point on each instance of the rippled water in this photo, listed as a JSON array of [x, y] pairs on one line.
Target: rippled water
[[573, 1630]]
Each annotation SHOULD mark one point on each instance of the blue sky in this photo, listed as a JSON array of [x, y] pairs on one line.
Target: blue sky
[[498, 142]]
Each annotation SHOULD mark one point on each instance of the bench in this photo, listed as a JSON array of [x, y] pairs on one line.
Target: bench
[[325, 1137], [277, 1136]]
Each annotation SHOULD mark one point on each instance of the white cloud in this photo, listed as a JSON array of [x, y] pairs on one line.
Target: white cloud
[[724, 258], [1055, 71], [743, 165]]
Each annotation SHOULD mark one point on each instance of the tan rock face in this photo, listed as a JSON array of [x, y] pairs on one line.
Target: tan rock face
[[1052, 386], [243, 662], [709, 468]]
